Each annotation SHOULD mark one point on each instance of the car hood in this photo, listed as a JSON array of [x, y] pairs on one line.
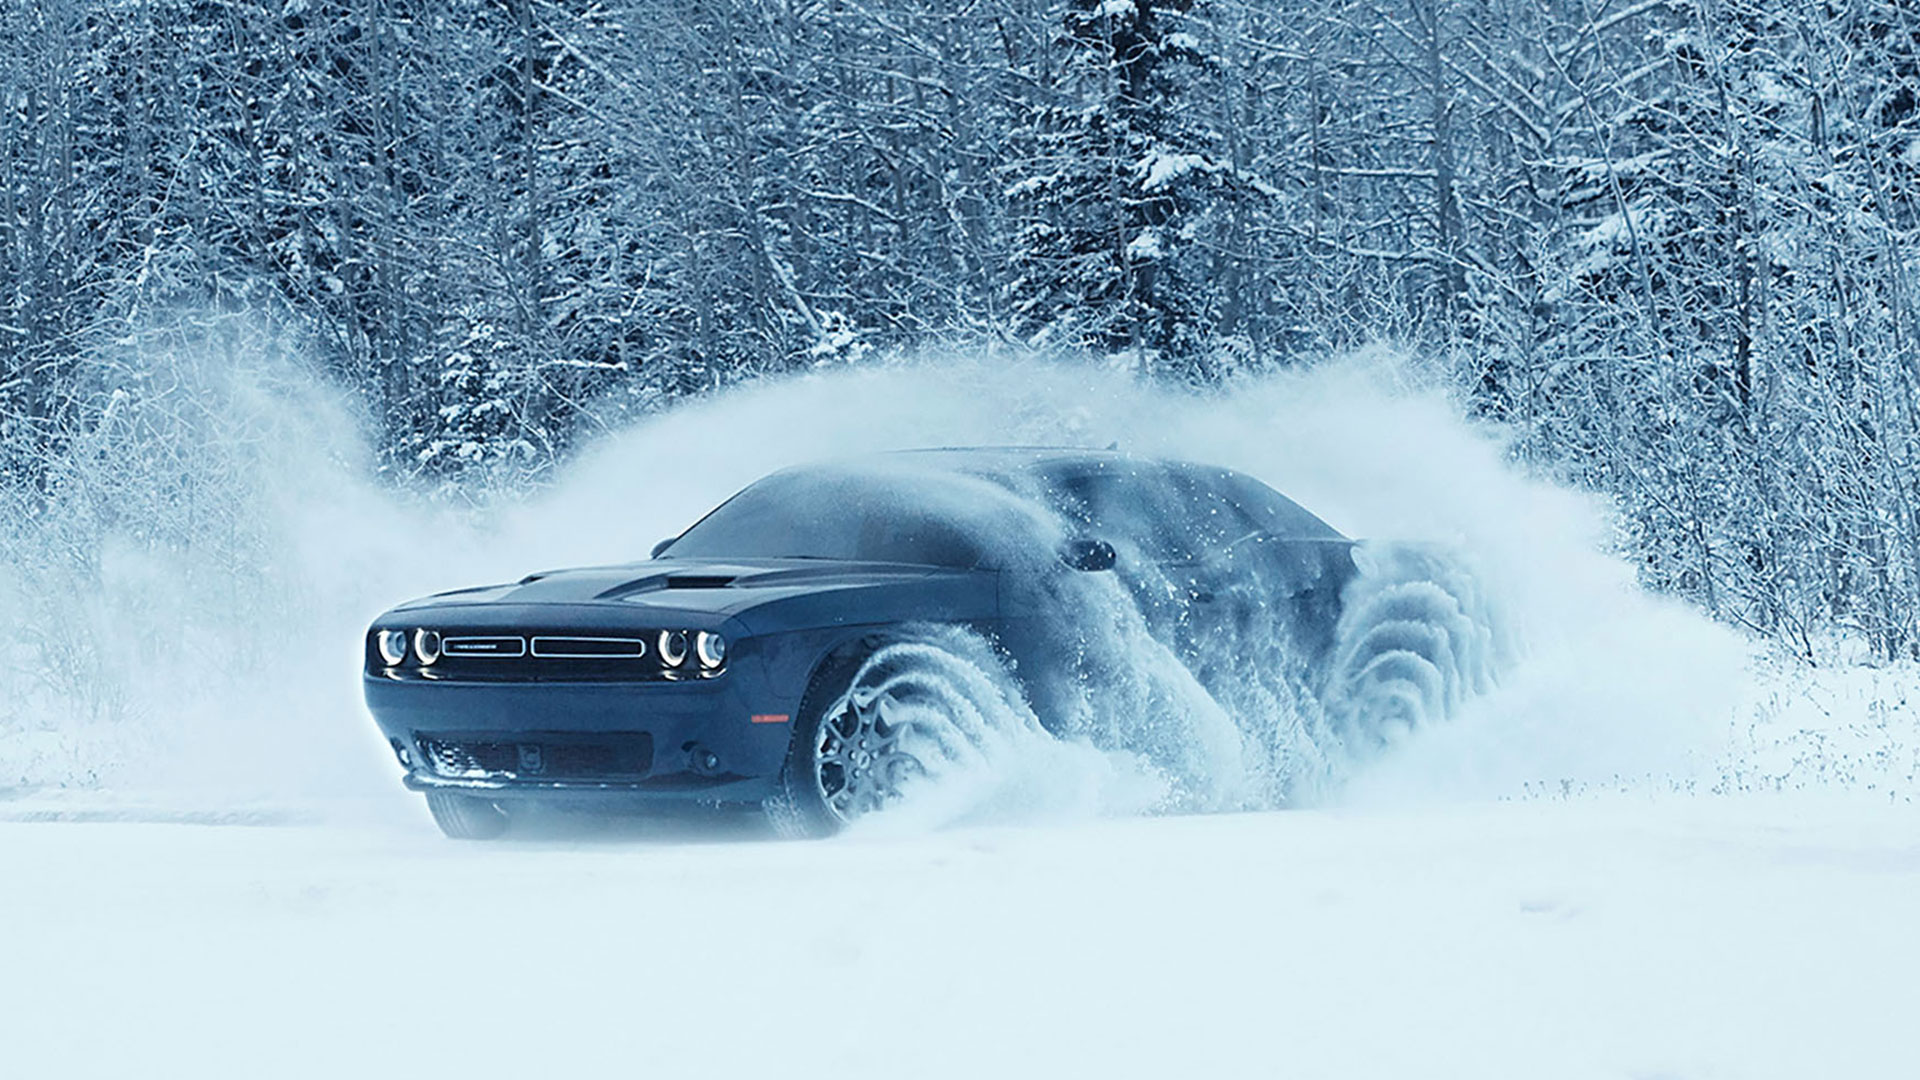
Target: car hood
[[719, 587]]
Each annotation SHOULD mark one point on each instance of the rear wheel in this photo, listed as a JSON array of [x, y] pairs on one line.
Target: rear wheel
[[1416, 638], [466, 817]]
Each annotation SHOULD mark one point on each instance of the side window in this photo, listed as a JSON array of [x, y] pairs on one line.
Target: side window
[[1137, 507]]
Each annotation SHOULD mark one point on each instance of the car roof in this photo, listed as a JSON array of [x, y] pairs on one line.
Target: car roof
[[1066, 469], [1018, 458]]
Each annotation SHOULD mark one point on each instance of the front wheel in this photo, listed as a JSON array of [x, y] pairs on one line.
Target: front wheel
[[911, 712], [466, 817], [847, 761]]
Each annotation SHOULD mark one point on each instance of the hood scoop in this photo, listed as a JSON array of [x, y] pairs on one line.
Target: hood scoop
[[658, 582], [746, 576]]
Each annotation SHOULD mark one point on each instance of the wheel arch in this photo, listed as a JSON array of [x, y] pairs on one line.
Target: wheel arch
[[837, 665], [840, 659]]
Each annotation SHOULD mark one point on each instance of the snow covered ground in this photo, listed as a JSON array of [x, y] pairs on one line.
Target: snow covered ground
[[1598, 937]]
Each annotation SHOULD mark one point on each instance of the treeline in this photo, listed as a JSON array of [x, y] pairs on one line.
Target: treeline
[[1669, 240]]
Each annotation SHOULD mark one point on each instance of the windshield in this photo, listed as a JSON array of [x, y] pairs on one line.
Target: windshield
[[837, 513]]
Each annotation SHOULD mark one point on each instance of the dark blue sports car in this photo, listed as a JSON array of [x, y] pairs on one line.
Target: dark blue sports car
[[830, 636]]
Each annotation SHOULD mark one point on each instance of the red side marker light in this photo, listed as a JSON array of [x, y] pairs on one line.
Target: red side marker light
[[770, 718]]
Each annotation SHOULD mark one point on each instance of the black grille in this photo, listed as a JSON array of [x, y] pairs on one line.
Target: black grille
[[539, 756], [469, 758], [590, 648]]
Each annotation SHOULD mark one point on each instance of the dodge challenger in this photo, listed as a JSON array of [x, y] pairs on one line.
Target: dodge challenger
[[735, 666]]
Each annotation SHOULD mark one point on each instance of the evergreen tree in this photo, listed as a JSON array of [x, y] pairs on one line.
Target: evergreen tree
[[1119, 195]]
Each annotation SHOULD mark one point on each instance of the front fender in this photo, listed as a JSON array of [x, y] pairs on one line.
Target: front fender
[[796, 634]]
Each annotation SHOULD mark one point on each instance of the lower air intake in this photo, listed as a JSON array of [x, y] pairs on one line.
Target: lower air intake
[[539, 756]]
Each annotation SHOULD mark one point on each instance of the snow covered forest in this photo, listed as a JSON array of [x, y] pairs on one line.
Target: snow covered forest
[[1669, 241]]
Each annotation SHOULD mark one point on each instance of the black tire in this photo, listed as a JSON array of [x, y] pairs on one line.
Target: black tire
[[467, 817], [799, 811]]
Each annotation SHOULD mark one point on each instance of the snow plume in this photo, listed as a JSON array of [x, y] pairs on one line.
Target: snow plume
[[187, 610], [982, 751], [190, 591]]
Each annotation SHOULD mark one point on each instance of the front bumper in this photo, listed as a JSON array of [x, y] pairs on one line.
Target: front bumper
[[607, 744]]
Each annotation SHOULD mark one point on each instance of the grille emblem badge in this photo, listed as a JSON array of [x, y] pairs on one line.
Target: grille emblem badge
[[506, 647]]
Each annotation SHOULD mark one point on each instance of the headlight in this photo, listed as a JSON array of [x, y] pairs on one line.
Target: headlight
[[673, 647], [711, 649], [426, 646], [393, 646]]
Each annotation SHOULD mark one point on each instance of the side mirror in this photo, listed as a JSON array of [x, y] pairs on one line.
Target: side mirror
[[1089, 555], [661, 546]]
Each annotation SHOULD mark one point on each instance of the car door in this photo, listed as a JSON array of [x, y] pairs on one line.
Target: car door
[[1224, 576]]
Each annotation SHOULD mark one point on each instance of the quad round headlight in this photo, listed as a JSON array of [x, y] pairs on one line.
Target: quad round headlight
[[426, 646], [711, 649], [673, 647], [392, 645]]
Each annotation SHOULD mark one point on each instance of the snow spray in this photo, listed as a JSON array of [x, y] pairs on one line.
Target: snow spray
[[224, 658]]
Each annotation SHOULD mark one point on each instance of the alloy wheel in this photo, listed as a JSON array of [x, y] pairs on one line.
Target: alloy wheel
[[859, 762]]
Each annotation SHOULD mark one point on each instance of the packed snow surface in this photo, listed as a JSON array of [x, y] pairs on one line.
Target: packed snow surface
[[1606, 938]]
